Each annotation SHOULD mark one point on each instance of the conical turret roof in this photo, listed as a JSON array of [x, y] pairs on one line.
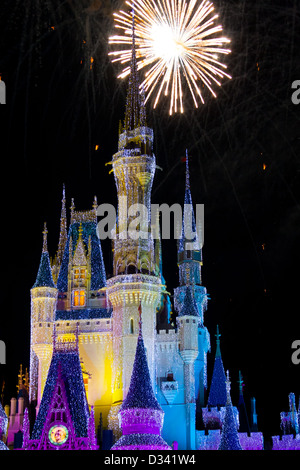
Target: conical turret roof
[[44, 276], [189, 306], [217, 393], [140, 393], [229, 437]]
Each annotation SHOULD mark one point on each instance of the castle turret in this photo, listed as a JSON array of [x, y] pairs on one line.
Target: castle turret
[[135, 280], [229, 436], [189, 260], [43, 304], [141, 417], [213, 413], [188, 322]]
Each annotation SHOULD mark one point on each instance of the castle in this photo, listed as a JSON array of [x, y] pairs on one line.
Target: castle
[[107, 350], [73, 296]]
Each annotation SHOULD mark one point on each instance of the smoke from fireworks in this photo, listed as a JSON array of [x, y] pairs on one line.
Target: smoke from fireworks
[[178, 43]]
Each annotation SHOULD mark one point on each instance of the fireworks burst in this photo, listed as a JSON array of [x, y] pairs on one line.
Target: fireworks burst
[[178, 42]]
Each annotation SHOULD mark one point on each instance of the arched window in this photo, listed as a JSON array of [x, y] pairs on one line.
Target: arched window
[[131, 326]]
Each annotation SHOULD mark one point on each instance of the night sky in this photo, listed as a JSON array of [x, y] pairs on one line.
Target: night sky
[[244, 151]]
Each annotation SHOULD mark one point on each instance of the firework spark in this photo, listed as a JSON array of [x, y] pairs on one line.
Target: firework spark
[[178, 43]]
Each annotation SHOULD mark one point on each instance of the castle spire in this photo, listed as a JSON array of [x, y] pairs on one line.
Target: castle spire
[[218, 336], [63, 229], [45, 233], [229, 437], [218, 394], [189, 237], [135, 107], [243, 415]]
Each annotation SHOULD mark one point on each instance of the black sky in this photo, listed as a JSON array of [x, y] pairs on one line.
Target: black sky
[[59, 108]]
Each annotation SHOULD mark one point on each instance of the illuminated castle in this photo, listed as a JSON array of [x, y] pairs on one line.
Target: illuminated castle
[[106, 355], [72, 297], [109, 351]]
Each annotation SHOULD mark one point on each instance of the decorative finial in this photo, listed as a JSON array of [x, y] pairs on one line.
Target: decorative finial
[[20, 378], [63, 203], [241, 383], [187, 170], [218, 336], [95, 203], [140, 320], [45, 232], [54, 337], [72, 208], [228, 383], [80, 230], [133, 94], [143, 121]]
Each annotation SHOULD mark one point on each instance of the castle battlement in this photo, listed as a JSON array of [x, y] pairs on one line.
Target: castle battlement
[[97, 326], [171, 333], [212, 440], [286, 442]]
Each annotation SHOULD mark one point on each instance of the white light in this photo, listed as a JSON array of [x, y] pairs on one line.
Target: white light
[[165, 43]]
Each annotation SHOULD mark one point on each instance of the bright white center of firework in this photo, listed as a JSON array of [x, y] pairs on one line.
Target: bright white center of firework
[[166, 44]]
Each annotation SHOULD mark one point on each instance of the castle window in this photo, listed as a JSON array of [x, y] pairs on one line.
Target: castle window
[[131, 326], [82, 273], [79, 298], [82, 297], [76, 298]]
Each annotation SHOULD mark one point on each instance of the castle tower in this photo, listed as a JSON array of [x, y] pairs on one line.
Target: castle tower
[[134, 281], [43, 304], [188, 322], [141, 417], [213, 413], [189, 260]]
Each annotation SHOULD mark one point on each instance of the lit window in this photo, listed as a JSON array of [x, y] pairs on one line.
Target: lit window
[[76, 298], [79, 298], [82, 273], [82, 297]]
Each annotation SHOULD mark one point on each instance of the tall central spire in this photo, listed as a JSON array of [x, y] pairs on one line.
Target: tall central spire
[[134, 114]]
